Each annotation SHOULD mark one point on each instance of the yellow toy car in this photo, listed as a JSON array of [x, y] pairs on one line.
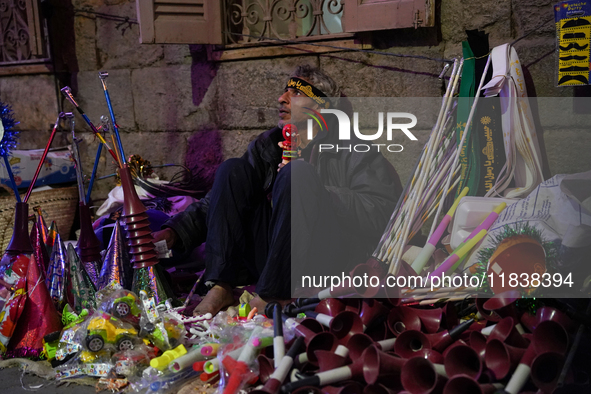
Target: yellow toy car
[[108, 329]]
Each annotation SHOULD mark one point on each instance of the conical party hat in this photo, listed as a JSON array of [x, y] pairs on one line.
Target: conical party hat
[[51, 234], [41, 225], [56, 274], [39, 318], [39, 249], [148, 279], [12, 306], [82, 287], [113, 265]]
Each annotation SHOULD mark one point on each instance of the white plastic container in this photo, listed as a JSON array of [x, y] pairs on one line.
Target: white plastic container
[[470, 213]]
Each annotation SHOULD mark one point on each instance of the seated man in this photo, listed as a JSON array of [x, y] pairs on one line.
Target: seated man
[[322, 213]]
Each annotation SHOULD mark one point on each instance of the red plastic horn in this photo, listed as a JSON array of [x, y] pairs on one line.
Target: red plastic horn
[[379, 331], [402, 318], [330, 306], [477, 341], [450, 316], [348, 372], [348, 388], [357, 344], [546, 369], [378, 389], [329, 359], [380, 364], [418, 376], [548, 313], [505, 331], [371, 268], [346, 324], [266, 367], [411, 343], [430, 319], [441, 340], [307, 390], [463, 360], [20, 241], [467, 385], [502, 358], [371, 310], [392, 293], [307, 328], [503, 304], [89, 246], [549, 336], [322, 341], [487, 314], [137, 225]]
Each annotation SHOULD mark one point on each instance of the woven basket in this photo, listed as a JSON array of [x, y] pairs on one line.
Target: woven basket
[[57, 205]]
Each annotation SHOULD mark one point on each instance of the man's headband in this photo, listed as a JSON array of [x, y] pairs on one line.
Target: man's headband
[[309, 90]]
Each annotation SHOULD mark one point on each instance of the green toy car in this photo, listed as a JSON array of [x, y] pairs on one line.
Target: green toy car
[[105, 329], [126, 307]]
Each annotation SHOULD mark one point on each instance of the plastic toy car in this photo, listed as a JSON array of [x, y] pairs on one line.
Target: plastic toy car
[[108, 329], [126, 306]]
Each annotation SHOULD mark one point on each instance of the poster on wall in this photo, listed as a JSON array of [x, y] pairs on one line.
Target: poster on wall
[[573, 34]]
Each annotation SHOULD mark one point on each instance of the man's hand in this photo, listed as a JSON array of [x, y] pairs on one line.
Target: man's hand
[[168, 235], [281, 165]]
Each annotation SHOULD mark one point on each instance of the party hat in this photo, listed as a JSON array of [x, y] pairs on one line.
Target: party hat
[[13, 305], [56, 275], [149, 280], [39, 249], [113, 265], [51, 234], [39, 318], [82, 287], [41, 225]]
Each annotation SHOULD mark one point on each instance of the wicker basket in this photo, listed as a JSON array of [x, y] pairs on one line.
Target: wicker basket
[[58, 205]]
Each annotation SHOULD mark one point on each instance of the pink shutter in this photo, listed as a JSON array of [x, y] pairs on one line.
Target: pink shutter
[[366, 15], [180, 21]]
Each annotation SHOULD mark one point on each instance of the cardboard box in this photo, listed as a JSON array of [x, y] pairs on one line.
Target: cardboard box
[[57, 168]]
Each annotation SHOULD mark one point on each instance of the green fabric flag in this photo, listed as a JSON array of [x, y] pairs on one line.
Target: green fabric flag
[[465, 100]]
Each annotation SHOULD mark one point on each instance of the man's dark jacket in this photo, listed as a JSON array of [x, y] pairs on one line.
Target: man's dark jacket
[[364, 187]]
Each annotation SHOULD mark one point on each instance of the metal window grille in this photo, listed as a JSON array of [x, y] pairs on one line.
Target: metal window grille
[[250, 21], [23, 38]]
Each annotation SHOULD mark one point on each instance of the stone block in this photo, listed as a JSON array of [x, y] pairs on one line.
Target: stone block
[[248, 91], [530, 14], [177, 54], [163, 101], [33, 100], [118, 48], [539, 58], [369, 75], [459, 15], [91, 98], [85, 30]]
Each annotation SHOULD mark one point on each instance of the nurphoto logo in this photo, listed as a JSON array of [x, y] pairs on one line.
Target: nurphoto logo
[[393, 123]]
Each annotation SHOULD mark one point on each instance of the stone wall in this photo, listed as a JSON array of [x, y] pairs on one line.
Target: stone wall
[[163, 94]]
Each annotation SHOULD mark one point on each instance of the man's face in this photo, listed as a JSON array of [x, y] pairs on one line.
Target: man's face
[[291, 103]]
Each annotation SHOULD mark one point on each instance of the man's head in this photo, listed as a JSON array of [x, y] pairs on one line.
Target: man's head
[[320, 83]]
